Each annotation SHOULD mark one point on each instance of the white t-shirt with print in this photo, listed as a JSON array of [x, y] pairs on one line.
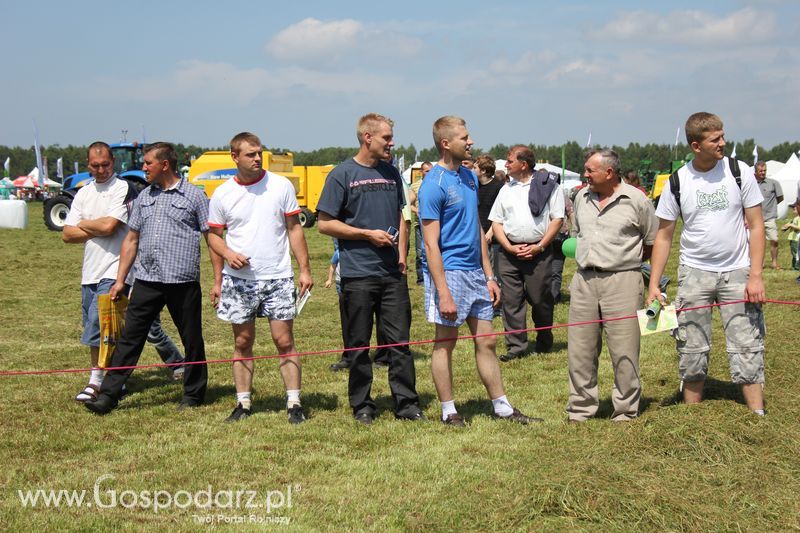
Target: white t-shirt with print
[[255, 218], [714, 236], [93, 201]]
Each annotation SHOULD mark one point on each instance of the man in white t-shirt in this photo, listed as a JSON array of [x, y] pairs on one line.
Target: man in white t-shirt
[[259, 211], [720, 261], [97, 219]]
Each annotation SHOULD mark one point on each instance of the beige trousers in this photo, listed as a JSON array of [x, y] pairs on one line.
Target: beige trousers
[[595, 296]]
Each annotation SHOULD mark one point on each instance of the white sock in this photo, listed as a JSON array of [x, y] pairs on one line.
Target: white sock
[[96, 377], [292, 398], [448, 408], [244, 399], [502, 407], [760, 412]]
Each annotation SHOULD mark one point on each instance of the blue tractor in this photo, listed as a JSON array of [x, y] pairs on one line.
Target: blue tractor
[[128, 159]]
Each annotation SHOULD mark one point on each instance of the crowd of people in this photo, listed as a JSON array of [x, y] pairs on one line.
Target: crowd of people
[[485, 247]]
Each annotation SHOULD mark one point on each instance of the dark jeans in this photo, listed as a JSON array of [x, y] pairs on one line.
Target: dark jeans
[[523, 282], [419, 249], [184, 302], [558, 266], [167, 351], [384, 300]]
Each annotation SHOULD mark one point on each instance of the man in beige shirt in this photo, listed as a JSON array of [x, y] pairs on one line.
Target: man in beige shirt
[[616, 227]]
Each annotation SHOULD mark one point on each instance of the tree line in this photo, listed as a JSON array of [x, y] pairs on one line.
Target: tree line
[[635, 156]]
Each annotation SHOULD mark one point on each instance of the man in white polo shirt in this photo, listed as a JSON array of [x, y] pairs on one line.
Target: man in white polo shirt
[[259, 211]]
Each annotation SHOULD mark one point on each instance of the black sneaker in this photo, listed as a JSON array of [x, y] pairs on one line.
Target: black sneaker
[[517, 416], [102, 405], [296, 414], [339, 365], [187, 404], [419, 416], [510, 357], [240, 413], [365, 418]]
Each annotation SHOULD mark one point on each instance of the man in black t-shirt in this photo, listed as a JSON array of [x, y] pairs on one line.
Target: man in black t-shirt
[[360, 206]]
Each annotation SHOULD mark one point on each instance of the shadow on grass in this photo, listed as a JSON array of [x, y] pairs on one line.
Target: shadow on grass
[[472, 408], [384, 403], [311, 402], [714, 389], [606, 408]]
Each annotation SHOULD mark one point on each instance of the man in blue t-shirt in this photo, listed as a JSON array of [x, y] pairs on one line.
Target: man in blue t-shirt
[[459, 283], [360, 206]]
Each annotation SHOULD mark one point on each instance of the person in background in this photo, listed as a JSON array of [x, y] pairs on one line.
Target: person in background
[[632, 179], [488, 189], [413, 200], [773, 195], [793, 228], [558, 254]]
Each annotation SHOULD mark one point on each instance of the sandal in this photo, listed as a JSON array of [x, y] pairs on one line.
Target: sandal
[[88, 394]]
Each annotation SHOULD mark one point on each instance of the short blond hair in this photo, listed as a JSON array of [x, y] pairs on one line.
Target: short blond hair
[[443, 129], [244, 137], [369, 124], [699, 124]]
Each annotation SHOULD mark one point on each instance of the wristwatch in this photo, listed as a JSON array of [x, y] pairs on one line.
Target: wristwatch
[[491, 278]]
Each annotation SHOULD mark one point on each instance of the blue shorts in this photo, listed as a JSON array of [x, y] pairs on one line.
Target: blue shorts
[[91, 319], [470, 294], [242, 300]]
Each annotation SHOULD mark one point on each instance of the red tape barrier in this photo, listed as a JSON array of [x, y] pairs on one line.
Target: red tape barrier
[[340, 350]]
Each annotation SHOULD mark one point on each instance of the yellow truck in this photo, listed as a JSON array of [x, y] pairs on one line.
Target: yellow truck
[[212, 169]]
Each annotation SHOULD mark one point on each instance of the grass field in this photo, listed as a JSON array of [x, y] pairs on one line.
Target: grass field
[[709, 467]]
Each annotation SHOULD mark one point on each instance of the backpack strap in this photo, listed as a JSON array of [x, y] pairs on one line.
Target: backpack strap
[[737, 174], [675, 188]]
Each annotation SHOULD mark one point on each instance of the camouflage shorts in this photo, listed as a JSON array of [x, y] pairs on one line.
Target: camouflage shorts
[[743, 324], [242, 300]]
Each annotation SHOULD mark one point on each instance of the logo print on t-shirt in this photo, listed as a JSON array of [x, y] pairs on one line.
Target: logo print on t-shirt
[[453, 195], [716, 201]]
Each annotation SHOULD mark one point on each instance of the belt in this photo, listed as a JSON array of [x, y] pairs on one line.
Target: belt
[[515, 243], [605, 270]]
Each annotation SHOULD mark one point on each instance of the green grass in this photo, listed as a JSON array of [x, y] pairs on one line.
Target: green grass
[[708, 467]]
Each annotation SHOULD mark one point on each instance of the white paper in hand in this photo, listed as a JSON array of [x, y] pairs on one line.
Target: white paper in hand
[[301, 302]]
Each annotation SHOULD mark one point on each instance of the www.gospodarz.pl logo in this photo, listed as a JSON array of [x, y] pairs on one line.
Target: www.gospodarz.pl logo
[[103, 496]]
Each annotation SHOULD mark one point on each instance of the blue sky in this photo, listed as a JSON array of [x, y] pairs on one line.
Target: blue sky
[[301, 73]]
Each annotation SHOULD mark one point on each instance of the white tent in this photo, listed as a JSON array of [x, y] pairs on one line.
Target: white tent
[[34, 176], [773, 167], [787, 177]]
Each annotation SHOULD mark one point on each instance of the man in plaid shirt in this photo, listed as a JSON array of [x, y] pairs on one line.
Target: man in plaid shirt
[[164, 240]]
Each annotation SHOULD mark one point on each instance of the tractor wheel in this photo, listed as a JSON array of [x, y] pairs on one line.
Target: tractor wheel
[[55, 212], [307, 218]]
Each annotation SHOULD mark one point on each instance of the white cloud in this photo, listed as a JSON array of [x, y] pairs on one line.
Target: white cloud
[[312, 40], [225, 84], [691, 27]]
